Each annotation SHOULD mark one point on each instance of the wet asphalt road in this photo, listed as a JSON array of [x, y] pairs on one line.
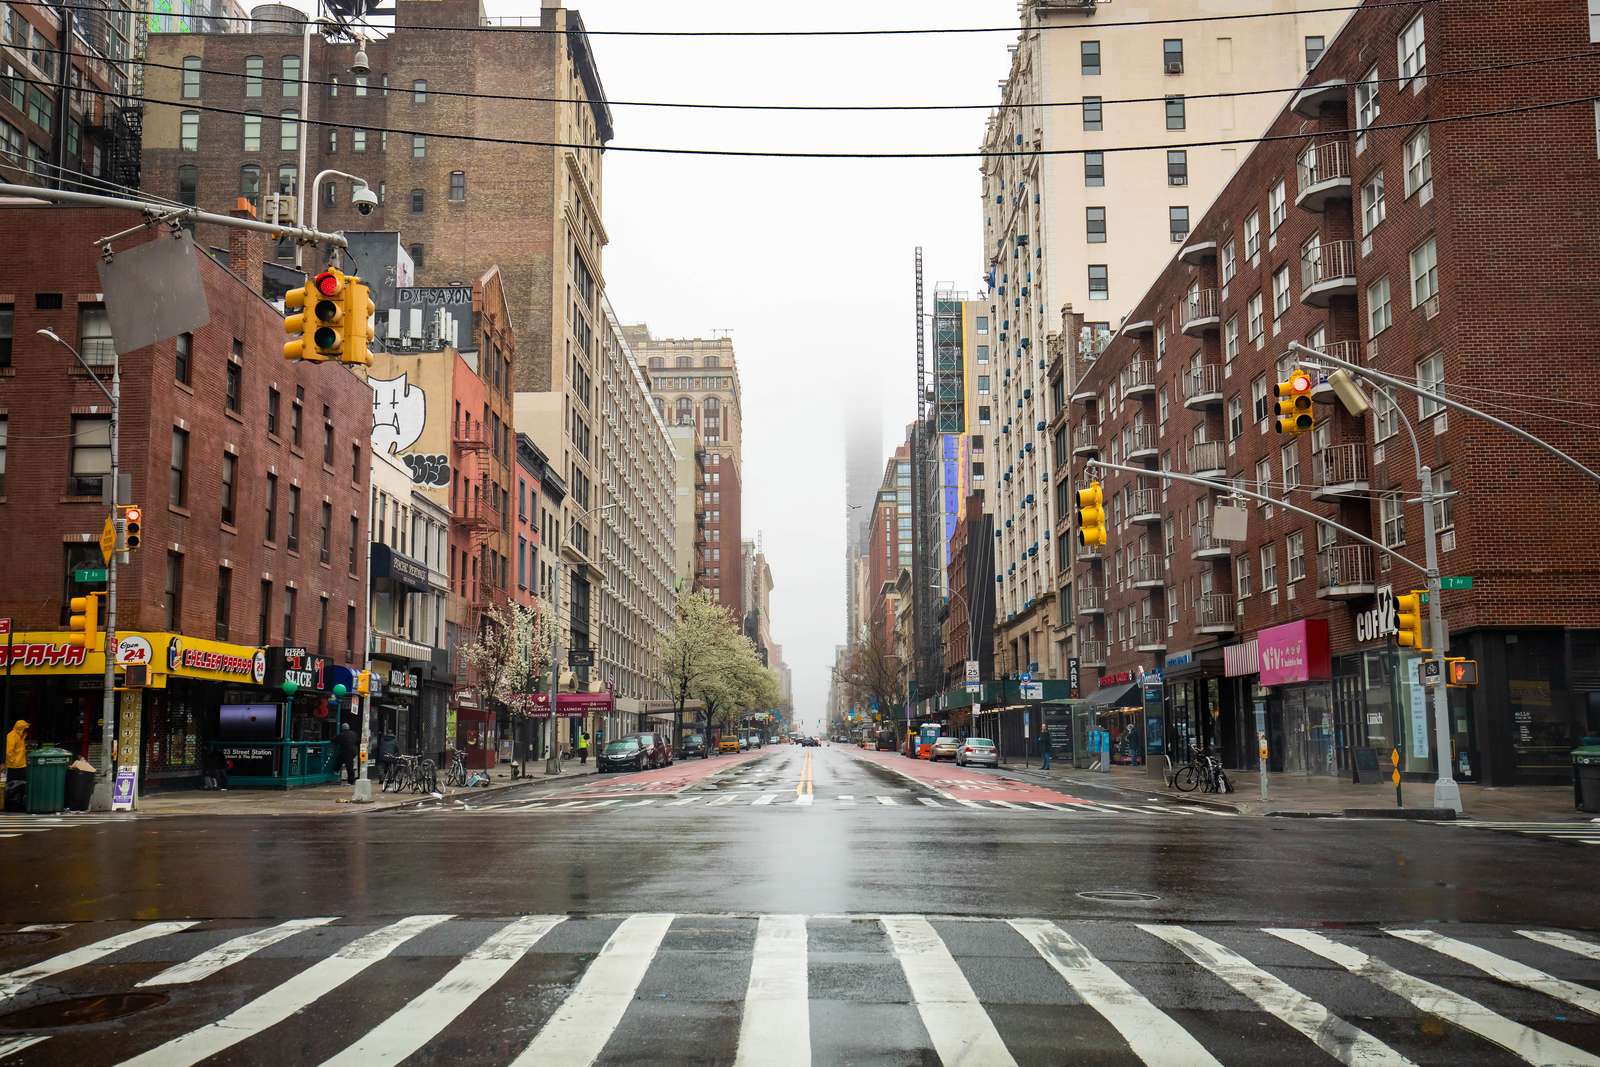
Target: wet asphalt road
[[674, 902]]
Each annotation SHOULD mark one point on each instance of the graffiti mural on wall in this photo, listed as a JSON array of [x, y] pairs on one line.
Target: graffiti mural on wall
[[399, 416]]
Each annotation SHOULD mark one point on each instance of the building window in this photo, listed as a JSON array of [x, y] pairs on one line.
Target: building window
[[1175, 113], [91, 455], [297, 413], [1089, 53], [288, 131], [235, 387], [272, 410], [290, 85], [1296, 548], [252, 132], [189, 131], [1372, 207], [350, 633], [286, 180], [290, 595], [1379, 315], [191, 77], [1230, 262], [1235, 418], [1430, 376], [1280, 291], [230, 473], [1269, 567], [419, 146], [183, 354], [1424, 272], [292, 541], [1252, 236], [1263, 480], [264, 615], [1092, 119], [1094, 169], [1177, 167], [1289, 456], [419, 91], [178, 471], [1385, 417], [250, 184], [1253, 312], [325, 534], [1419, 166], [983, 353], [416, 256], [224, 601], [1099, 282], [1177, 223], [1230, 339], [1277, 206], [358, 140], [253, 66], [418, 201], [270, 533], [1444, 505], [1172, 55], [458, 185], [355, 541], [174, 591], [1258, 398], [1095, 220], [1242, 569], [361, 84], [1315, 46], [1594, 21], [1393, 511], [1412, 51]]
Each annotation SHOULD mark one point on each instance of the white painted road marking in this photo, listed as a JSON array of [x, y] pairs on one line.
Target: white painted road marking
[[283, 1001], [1530, 1044], [230, 952], [1348, 1044], [1506, 970], [577, 1033], [960, 1028], [764, 799], [15, 982], [775, 1030], [1150, 1032], [1565, 942]]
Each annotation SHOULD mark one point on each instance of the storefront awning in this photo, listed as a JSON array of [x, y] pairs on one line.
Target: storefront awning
[[1117, 696]]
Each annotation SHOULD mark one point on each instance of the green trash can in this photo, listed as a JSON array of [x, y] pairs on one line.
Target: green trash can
[[47, 779], [1585, 778]]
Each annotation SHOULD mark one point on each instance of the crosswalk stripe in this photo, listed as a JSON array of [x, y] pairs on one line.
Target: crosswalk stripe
[[593, 805], [1100, 809], [1008, 804], [15, 982], [414, 1025], [717, 802], [575, 1035], [1159, 811], [961, 1030], [1348, 1044], [969, 803], [1049, 806], [1565, 942], [681, 801], [281, 1002], [776, 1028], [230, 952], [1201, 809], [1530, 1044], [11, 1045], [1506, 970], [846, 800], [765, 799], [930, 802], [1150, 1032], [888, 802], [643, 802]]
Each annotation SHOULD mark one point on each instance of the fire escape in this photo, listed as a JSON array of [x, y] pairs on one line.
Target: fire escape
[[478, 512]]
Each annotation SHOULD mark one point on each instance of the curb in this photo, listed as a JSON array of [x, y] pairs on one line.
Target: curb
[[1181, 798], [1439, 814], [1304, 814], [531, 779]]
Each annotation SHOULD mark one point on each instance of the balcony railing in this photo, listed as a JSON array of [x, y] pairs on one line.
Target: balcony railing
[[1324, 173], [1148, 571], [1091, 599], [1085, 440], [1144, 506], [1207, 545], [1200, 313], [1349, 351], [1328, 270], [1151, 635], [1143, 441], [1139, 377], [1092, 652], [1345, 571], [1341, 469], [98, 351], [1213, 613], [1208, 459], [1203, 386]]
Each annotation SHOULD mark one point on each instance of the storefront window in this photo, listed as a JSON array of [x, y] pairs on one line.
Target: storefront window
[[172, 733], [1541, 727]]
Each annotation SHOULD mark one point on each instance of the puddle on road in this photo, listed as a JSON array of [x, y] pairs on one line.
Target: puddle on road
[[80, 1011]]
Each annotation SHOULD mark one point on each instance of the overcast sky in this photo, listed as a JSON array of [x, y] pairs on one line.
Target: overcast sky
[[808, 263]]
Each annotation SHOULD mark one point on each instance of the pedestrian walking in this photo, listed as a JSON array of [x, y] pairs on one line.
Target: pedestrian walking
[[16, 794], [583, 747], [1044, 749], [344, 753]]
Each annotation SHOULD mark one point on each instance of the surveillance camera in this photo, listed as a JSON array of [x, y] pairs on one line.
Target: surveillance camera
[[365, 200]]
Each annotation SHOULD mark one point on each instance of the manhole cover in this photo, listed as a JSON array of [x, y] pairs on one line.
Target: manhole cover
[[19, 938], [1118, 896], [76, 1011]]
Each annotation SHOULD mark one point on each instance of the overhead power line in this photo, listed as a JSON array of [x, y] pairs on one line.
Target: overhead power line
[[751, 153], [891, 31], [279, 79]]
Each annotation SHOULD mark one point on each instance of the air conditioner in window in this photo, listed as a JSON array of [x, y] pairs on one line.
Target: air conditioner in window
[[1174, 66], [1177, 179], [1180, 236]]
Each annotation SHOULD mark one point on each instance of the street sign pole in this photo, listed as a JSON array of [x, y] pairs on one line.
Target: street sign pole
[[101, 799], [5, 716], [1446, 793]]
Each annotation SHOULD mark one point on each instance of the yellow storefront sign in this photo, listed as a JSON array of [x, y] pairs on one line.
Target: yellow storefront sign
[[47, 653]]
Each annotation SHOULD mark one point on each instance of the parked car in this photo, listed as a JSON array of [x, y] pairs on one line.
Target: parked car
[[944, 748], [729, 743], [656, 746], [977, 750], [886, 742], [744, 742], [694, 745], [623, 754]]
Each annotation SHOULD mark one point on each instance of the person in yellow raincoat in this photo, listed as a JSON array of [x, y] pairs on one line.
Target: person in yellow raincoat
[[17, 765]]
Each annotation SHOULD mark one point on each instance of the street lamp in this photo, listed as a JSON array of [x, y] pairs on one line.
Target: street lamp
[[552, 762], [101, 799]]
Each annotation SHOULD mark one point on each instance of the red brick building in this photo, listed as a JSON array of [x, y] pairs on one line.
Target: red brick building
[[1454, 253], [253, 473]]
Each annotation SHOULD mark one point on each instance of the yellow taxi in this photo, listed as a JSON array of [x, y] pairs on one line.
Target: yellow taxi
[[728, 743]]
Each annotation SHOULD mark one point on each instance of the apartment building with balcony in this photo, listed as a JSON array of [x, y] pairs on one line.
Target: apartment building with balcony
[[1452, 254], [1067, 220]]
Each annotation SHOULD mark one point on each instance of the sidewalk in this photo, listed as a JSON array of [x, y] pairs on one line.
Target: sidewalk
[[1295, 795], [333, 799]]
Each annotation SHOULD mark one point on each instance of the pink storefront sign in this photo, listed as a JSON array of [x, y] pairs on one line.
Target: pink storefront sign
[[1295, 652], [571, 705]]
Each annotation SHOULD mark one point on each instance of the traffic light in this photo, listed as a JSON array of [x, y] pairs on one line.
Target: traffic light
[[1463, 671], [329, 291], [132, 527], [364, 683], [85, 622], [1091, 516], [1408, 620], [359, 330], [294, 324], [1294, 403]]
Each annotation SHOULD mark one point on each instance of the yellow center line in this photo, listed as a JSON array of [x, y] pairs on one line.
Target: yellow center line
[[803, 787]]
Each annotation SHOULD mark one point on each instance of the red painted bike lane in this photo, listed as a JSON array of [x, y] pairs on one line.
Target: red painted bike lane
[[674, 779], [958, 783]]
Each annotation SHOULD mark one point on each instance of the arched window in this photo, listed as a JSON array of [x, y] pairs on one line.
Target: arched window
[[250, 184], [713, 361], [712, 405], [685, 361], [188, 184], [661, 406], [657, 363], [685, 415], [290, 86], [189, 131]]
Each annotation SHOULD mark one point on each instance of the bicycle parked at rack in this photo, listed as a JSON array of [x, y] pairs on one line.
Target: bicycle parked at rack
[[411, 774], [1205, 772], [455, 772]]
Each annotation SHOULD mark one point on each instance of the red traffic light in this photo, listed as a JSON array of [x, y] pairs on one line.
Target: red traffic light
[[327, 283], [1299, 383]]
